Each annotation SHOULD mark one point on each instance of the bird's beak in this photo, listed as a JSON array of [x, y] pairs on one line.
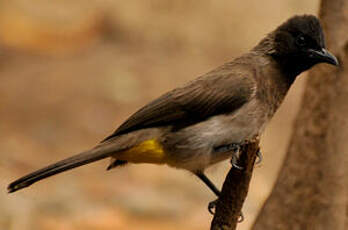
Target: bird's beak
[[324, 55]]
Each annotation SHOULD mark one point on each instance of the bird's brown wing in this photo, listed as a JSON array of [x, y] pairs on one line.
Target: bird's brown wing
[[197, 101]]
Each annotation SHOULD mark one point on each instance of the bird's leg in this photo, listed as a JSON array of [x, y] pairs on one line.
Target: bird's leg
[[208, 182], [216, 191], [212, 187]]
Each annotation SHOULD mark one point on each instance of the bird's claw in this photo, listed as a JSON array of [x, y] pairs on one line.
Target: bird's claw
[[211, 206], [241, 217], [234, 163], [259, 157]]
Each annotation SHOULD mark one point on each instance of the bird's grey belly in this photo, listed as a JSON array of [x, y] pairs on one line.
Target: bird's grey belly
[[192, 148]]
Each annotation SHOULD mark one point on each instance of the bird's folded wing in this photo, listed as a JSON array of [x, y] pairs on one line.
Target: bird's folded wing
[[195, 102]]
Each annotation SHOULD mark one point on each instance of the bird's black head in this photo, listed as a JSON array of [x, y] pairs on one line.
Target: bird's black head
[[299, 44]]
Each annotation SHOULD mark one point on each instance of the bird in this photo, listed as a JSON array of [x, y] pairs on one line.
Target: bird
[[208, 119]]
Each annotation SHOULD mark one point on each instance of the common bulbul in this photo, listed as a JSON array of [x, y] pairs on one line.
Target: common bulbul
[[206, 120]]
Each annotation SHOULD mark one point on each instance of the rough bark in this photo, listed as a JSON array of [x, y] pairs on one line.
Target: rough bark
[[311, 191], [235, 189]]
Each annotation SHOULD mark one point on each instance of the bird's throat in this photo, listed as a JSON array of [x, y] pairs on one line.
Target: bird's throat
[[293, 66]]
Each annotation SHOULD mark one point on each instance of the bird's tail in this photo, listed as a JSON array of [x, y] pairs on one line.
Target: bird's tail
[[83, 158]]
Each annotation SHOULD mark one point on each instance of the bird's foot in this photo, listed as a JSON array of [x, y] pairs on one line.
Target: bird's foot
[[235, 149], [212, 206]]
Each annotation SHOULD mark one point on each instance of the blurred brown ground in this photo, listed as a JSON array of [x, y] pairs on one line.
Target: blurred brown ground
[[72, 71]]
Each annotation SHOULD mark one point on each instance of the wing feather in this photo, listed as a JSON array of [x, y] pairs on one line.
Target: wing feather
[[195, 102]]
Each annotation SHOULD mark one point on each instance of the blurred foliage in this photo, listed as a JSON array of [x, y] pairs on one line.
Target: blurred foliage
[[71, 71]]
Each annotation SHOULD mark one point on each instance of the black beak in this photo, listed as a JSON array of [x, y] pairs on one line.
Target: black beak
[[323, 56]]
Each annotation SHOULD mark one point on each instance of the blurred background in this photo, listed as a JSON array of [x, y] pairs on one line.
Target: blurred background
[[72, 71]]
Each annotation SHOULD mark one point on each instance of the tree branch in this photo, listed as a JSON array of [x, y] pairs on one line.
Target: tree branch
[[235, 189]]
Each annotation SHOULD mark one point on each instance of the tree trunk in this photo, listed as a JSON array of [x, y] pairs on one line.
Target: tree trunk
[[312, 189]]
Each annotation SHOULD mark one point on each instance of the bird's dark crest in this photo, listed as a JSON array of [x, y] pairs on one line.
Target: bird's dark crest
[[278, 42], [306, 24]]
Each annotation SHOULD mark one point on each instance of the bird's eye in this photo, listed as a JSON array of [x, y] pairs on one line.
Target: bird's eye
[[301, 41]]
